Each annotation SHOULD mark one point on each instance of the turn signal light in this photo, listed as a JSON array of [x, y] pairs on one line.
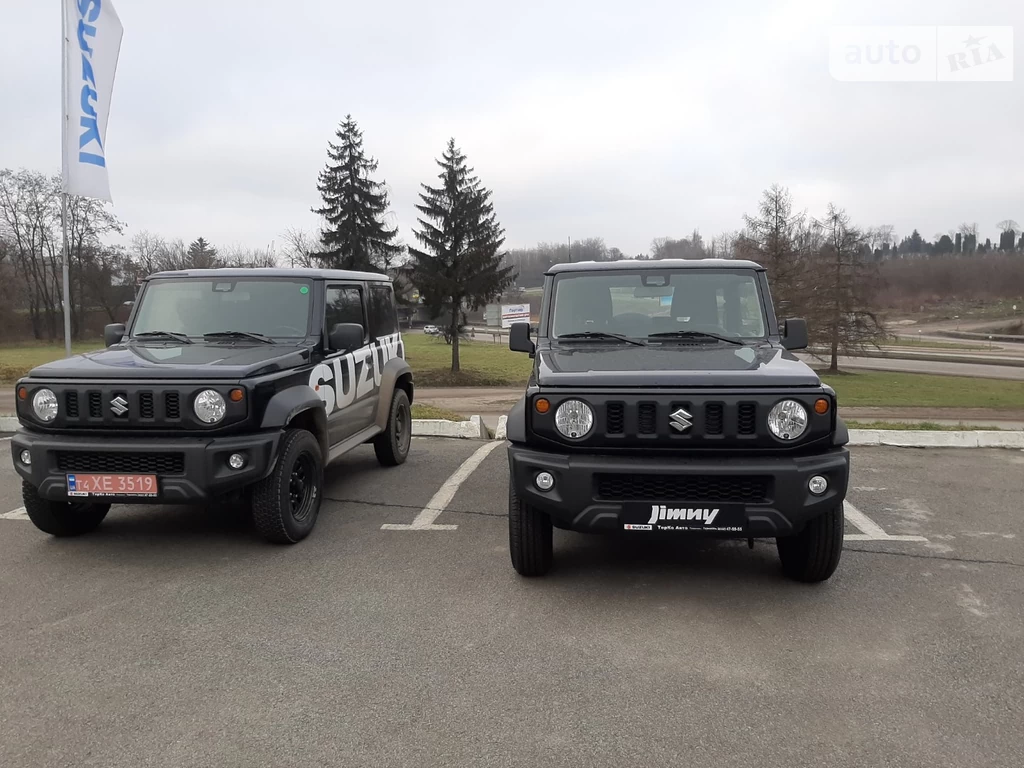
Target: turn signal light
[[542, 405], [236, 395], [22, 393], [821, 406]]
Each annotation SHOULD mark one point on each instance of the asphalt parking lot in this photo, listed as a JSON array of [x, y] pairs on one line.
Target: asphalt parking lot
[[174, 636]]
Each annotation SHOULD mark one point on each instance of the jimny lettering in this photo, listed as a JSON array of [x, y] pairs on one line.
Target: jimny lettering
[[660, 512]]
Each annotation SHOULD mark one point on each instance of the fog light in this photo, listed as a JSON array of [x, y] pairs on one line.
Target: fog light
[[26, 458], [817, 485], [236, 461], [545, 481]]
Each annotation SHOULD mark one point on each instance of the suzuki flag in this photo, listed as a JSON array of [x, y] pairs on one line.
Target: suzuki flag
[[92, 40]]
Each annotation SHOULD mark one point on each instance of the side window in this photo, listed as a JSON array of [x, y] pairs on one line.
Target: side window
[[383, 317], [344, 305]]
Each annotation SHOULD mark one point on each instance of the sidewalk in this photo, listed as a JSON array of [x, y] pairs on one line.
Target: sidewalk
[[491, 402]]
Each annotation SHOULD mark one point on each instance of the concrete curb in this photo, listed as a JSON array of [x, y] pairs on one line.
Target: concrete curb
[[473, 429], [927, 439]]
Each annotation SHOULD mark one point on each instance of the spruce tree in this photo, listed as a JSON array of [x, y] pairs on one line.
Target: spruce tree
[[459, 267], [202, 255], [355, 236]]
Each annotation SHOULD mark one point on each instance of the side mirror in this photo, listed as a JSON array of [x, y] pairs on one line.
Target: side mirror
[[794, 334], [519, 338], [113, 333], [345, 337]]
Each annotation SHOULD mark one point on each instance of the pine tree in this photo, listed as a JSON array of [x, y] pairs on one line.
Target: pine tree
[[355, 236], [459, 267], [202, 255]]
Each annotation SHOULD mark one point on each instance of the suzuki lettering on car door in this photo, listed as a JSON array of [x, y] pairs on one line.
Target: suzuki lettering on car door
[[341, 380]]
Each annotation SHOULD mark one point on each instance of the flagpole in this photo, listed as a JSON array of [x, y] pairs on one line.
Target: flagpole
[[64, 174]]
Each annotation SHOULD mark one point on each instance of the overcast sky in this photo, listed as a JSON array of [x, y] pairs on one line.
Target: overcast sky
[[624, 120]]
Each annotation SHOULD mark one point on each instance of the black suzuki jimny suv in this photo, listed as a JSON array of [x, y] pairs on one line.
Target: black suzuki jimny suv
[[665, 399], [227, 383]]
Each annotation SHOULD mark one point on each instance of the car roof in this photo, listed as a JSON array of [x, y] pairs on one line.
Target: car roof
[[241, 272], [633, 264]]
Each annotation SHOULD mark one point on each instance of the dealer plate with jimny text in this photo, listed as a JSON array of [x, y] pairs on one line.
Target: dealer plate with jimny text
[[680, 516], [112, 486]]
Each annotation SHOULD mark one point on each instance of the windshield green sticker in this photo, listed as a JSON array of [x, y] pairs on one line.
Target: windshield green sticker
[[303, 290]]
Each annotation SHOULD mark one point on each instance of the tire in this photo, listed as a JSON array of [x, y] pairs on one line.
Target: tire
[[530, 537], [61, 518], [813, 554], [392, 445], [286, 503]]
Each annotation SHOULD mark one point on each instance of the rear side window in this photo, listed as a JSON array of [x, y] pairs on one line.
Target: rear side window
[[383, 317], [344, 305]]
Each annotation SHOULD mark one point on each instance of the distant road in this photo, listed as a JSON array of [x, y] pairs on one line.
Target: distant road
[[972, 370]]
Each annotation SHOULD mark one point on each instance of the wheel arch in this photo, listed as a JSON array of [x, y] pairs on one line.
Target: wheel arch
[[299, 408], [396, 374]]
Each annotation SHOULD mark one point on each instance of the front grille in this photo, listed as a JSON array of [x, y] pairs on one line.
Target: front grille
[[95, 405], [123, 463], [616, 418], [748, 418], [695, 488], [146, 410], [714, 419], [647, 414], [172, 405], [71, 404]]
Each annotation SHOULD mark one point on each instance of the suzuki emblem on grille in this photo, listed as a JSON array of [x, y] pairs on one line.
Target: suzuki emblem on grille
[[119, 406], [680, 420]]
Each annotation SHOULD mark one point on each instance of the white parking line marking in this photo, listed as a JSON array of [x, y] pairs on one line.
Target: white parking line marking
[[15, 514], [2, 439], [439, 502], [870, 530]]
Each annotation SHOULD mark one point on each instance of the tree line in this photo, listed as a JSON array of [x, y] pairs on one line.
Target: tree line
[[102, 275], [824, 268]]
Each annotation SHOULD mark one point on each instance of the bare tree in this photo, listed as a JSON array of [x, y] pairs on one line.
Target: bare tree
[[685, 248], [249, 258], [1008, 225], [969, 234], [299, 247], [845, 287], [723, 245], [29, 210], [146, 251]]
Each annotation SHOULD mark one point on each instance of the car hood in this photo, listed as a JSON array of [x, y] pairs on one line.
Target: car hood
[[132, 360], [594, 364]]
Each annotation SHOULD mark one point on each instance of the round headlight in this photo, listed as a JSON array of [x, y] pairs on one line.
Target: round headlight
[[787, 419], [44, 403], [574, 418], [209, 406]]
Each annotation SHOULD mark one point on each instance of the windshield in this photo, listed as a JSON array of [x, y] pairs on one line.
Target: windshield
[[277, 308], [643, 302]]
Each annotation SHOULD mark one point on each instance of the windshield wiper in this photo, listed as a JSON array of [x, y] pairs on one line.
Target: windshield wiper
[[238, 335], [693, 335], [603, 335], [174, 335]]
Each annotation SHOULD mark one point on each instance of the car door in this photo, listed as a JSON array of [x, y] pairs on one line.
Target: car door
[[384, 331], [351, 371]]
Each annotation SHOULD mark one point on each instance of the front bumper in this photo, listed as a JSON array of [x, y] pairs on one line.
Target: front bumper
[[205, 474], [575, 503]]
